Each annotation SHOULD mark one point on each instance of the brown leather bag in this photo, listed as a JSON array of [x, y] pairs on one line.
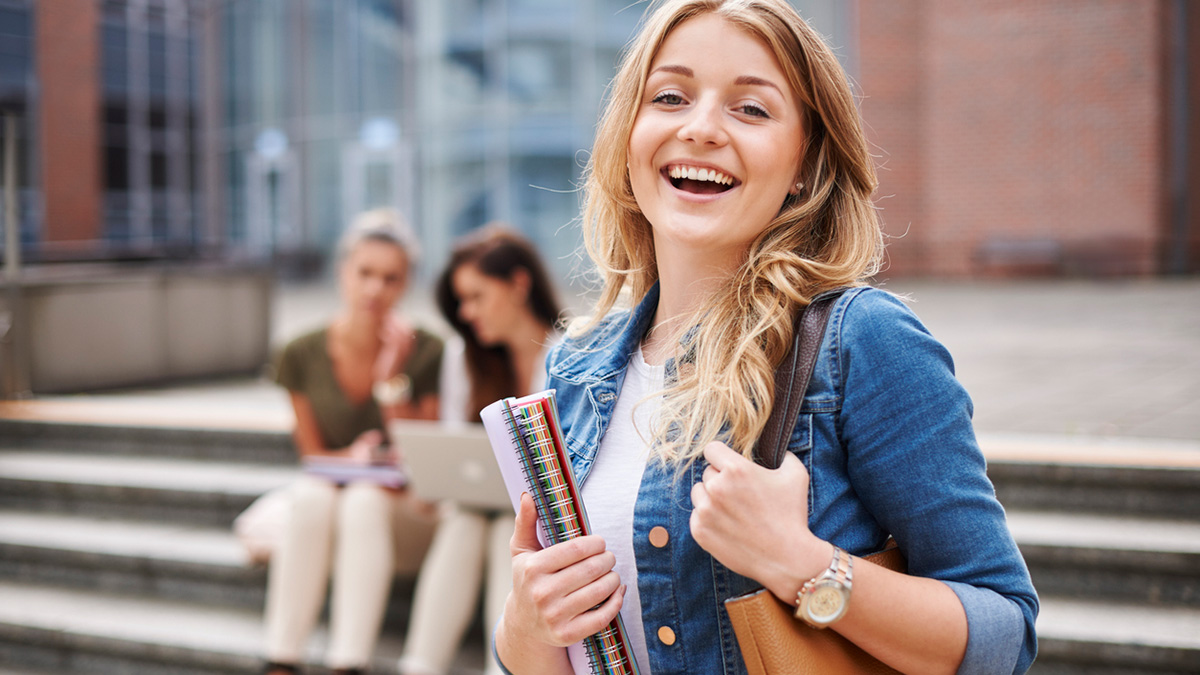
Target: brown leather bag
[[775, 642], [772, 640]]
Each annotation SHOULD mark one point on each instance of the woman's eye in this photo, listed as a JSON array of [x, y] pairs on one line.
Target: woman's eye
[[753, 110], [668, 98]]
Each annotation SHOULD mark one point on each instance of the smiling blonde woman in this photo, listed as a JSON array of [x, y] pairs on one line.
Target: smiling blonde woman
[[730, 184]]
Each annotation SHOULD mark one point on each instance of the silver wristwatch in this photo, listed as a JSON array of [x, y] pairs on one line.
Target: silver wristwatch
[[825, 598], [393, 391]]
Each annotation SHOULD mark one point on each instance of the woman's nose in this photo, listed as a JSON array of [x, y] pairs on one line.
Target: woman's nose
[[704, 124]]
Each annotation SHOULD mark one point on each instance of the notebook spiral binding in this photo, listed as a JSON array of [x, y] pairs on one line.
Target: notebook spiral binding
[[534, 434]]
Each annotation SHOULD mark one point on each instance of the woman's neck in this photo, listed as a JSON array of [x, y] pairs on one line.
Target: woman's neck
[[358, 332], [685, 285]]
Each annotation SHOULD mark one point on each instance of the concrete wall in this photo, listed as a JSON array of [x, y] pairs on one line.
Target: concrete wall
[[101, 327]]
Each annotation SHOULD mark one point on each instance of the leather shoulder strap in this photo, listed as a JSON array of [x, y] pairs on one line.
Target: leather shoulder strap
[[791, 379]]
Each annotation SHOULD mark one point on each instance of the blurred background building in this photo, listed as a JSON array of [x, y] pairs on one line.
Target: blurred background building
[[253, 130], [1020, 137], [193, 141]]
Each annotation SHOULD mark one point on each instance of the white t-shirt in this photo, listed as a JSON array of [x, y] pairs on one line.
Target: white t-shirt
[[455, 385], [611, 490]]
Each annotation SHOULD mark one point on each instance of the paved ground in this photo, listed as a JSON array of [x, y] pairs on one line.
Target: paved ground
[[1048, 363]]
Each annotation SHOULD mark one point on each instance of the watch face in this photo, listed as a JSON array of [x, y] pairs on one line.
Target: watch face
[[826, 602]]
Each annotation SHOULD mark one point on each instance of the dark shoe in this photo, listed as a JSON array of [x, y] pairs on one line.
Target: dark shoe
[[273, 668], [349, 671]]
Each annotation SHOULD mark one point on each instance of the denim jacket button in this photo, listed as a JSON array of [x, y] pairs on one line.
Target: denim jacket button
[[659, 537], [666, 636]]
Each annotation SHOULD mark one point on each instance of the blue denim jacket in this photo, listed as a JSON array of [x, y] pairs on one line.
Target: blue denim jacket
[[885, 432]]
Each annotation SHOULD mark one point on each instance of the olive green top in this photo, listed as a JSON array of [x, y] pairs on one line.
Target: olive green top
[[305, 368]]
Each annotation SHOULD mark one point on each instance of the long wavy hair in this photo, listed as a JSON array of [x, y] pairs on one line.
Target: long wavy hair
[[826, 237], [498, 251]]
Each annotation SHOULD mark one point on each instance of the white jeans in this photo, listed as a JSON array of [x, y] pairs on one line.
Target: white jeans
[[448, 588], [365, 534]]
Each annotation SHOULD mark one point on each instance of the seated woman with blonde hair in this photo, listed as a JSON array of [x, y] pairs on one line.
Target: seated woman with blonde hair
[[346, 381]]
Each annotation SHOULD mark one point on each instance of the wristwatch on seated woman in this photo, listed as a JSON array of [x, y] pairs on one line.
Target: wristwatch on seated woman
[[392, 391], [825, 598]]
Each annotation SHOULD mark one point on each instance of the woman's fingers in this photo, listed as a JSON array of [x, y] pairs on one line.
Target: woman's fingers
[[564, 592], [594, 619], [524, 539]]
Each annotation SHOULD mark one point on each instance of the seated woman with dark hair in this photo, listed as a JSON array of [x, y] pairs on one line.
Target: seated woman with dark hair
[[496, 294]]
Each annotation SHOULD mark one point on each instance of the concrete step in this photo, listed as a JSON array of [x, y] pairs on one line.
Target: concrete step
[[203, 492], [173, 562], [1077, 637], [1151, 561], [182, 563], [266, 446], [1111, 488], [50, 629]]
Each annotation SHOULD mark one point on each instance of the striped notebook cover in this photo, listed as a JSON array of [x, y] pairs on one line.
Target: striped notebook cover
[[527, 439]]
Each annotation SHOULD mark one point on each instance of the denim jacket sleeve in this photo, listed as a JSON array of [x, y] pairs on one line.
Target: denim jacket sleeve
[[913, 459]]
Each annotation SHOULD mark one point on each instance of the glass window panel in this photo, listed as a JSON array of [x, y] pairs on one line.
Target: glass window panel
[[158, 115], [546, 204], [117, 223], [116, 168], [157, 62], [114, 57], [159, 222], [158, 170], [323, 198], [14, 71], [539, 73], [321, 59], [378, 184], [15, 45], [381, 41], [16, 22], [464, 196]]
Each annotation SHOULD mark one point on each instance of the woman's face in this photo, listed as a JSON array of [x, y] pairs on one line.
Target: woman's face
[[490, 305], [373, 277], [716, 144]]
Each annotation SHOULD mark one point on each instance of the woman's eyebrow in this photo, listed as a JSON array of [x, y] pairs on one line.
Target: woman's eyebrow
[[678, 70], [752, 80], [758, 81]]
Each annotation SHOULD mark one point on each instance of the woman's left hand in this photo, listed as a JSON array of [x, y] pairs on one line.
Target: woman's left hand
[[755, 520]]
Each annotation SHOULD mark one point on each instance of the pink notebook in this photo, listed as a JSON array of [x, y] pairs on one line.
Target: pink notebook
[[527, 439]]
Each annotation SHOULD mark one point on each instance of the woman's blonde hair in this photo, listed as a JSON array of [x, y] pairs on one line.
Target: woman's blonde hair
[[382, 224], [826, 237]]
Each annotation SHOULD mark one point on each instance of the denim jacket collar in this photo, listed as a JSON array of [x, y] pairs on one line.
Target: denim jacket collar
[[606, 353]]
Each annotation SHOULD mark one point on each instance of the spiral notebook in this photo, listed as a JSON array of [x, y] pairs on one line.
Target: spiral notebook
[[527, 439]]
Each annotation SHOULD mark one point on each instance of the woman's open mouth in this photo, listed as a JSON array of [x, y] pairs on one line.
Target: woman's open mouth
[[697, 180]]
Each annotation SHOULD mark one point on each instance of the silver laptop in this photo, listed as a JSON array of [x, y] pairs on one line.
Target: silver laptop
[[451, 461]]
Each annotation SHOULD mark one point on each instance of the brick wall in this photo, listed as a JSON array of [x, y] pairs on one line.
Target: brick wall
[[67, 45], [1017, 137]]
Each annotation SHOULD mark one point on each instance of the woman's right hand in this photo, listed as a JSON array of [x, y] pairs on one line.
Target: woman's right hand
[[563, 593], [364, 448]]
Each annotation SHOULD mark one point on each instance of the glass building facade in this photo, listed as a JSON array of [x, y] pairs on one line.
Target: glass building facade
[[456, 112], [255, 129], [150, 94], [18, 98]]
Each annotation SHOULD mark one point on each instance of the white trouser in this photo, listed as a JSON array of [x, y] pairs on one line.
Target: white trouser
[[448, 588], [366, 534]]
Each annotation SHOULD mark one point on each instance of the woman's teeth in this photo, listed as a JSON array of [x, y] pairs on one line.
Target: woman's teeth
[[693, 173]]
